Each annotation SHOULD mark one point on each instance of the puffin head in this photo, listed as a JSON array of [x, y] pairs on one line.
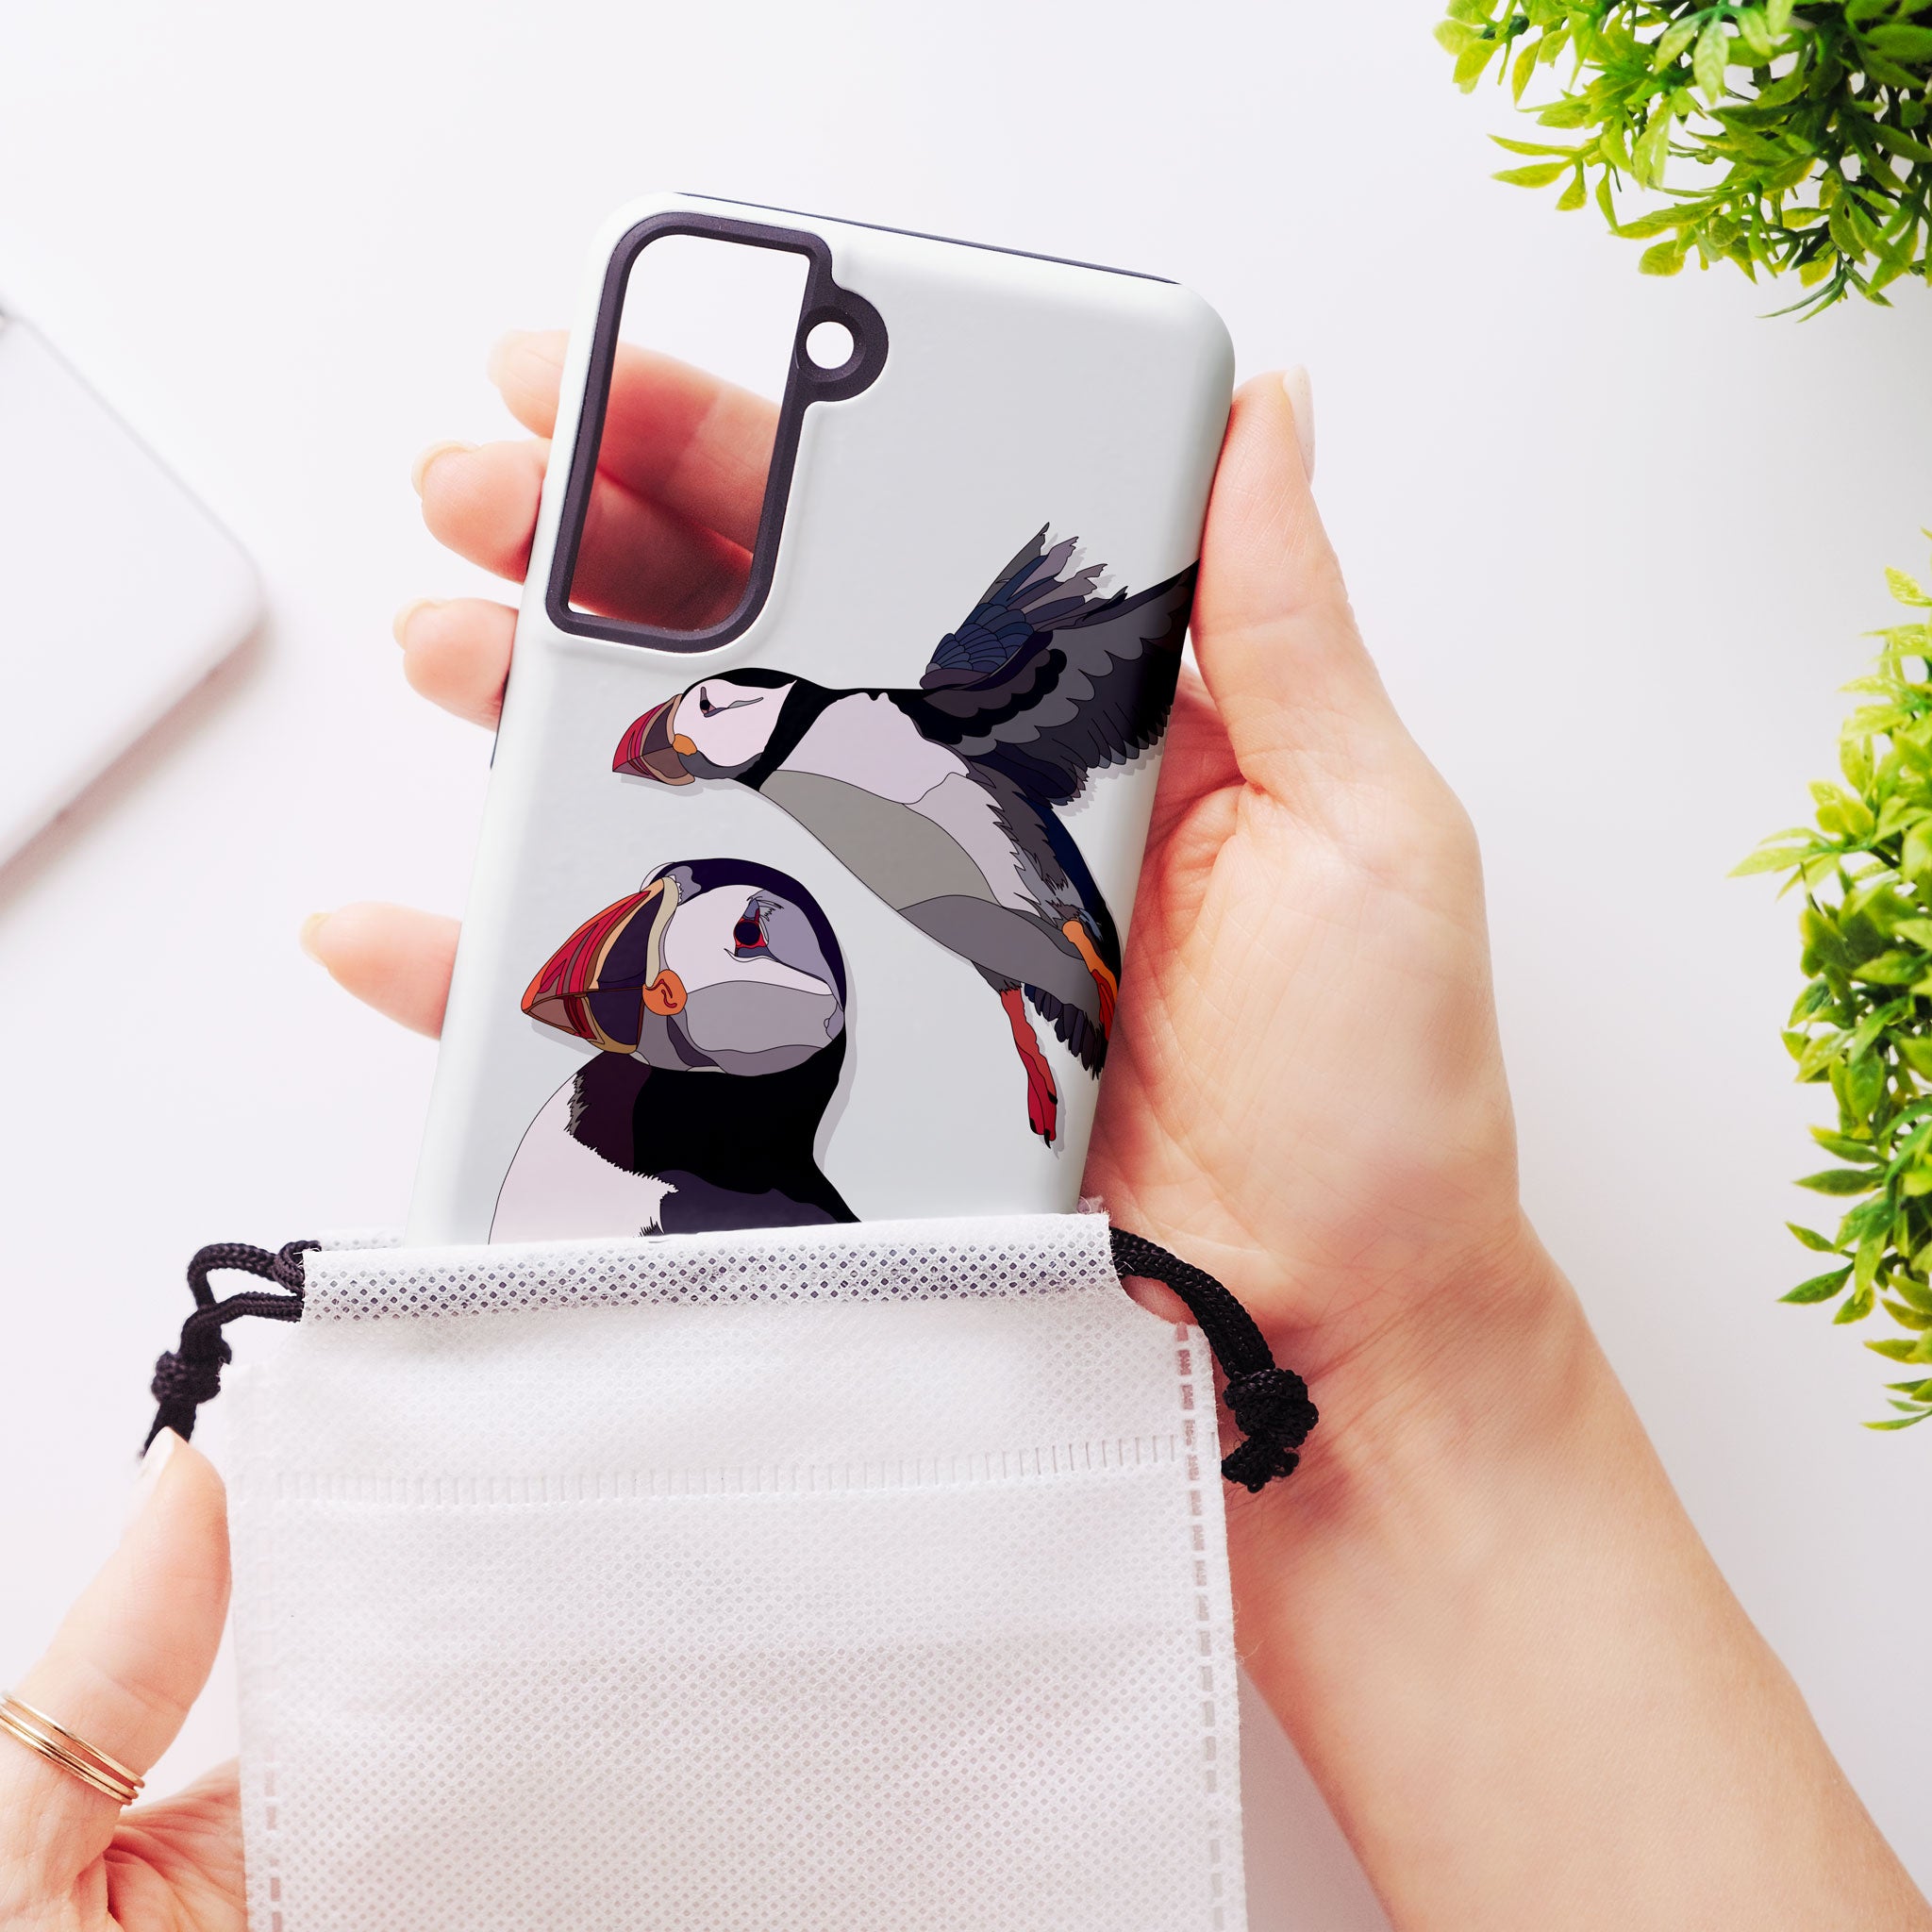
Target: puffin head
[[718, 728], [714, 965]]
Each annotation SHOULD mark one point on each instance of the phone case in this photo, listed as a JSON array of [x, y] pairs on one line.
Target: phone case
[[818, 916]]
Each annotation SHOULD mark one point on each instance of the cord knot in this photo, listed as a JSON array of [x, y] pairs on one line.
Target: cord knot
[[193, 1378], [190, 1372], [1269, 1404], [1272, 1402], [1272, 1410]]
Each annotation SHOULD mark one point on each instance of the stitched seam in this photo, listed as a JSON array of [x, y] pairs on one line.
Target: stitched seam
[[1188, 1341], [268, 1800], [1053, 1462]]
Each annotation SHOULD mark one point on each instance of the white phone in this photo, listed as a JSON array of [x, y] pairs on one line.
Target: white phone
[[119, 593]]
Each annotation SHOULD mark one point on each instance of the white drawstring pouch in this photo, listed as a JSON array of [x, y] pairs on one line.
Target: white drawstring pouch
[[856, 1579]]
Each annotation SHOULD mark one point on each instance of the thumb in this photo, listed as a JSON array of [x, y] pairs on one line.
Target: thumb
[[130, 1658], [1276, 641]]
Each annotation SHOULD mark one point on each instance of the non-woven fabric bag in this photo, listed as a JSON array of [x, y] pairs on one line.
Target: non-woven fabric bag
[[828, 1580]]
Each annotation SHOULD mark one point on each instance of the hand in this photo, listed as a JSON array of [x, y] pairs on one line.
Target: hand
[[1304, 1092], [132, 1656], [1478, 1608]]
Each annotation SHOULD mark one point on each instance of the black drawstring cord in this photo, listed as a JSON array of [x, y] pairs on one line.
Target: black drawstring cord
[[1269, 1405], [188, 1375]]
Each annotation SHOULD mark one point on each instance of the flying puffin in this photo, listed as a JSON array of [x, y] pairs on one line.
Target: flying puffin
[[942, 798], [717, 996]]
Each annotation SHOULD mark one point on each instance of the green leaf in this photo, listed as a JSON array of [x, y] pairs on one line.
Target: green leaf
[[1538, 175], [1902, 43], [1906, 590], [1810, 1238], [1647, 159], [1821, 1287], [1865, 1267], [1768, 857], [1894, 1348], [1907, 146], [1754, 31], [1671, 46], [1915, 854], [1571, 113], [1856, 1307], [1525, 66], [1564, 151], [1663, 259], [1844, 1146], [1863, 1087], [1573, 196], [1892, 969], [1472, 60], [1902, 1422], [1841, 1180], [1708, 62], [1663, 221]]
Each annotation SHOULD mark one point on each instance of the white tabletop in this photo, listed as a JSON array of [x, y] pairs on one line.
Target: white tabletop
[[1613, 540]]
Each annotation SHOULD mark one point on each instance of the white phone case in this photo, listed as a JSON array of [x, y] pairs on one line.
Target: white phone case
[[821, 919]]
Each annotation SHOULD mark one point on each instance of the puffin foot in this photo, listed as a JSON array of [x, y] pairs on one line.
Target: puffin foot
[[1105, 984], [1043, 1096]]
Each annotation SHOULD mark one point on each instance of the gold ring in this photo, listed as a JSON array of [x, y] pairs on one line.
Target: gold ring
[[58, 1745]]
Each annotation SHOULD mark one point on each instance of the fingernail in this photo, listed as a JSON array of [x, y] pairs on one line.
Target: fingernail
[[159, 1451], [406, 616], [1301, 399], [305, 937], [431, 455], [499, 353]]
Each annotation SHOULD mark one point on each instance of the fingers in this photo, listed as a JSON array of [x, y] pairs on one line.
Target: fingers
[[638, 560], [693, 445], [1274, 634], [178, 1863], [130, 1658], [392, 957], [481, 501], [667, 539], [456, 653]]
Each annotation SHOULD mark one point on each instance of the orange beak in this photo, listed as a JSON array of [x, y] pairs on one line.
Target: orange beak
[[608, 972], [647, 748]]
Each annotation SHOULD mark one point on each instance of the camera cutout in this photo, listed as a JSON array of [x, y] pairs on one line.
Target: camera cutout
[[715, 337], [830, 344]]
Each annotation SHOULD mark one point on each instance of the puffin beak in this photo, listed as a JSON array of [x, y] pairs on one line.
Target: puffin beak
[[594, 985], [647, 749]]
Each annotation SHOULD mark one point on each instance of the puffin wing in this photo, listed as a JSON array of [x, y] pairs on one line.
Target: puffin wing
[[1046, 682]]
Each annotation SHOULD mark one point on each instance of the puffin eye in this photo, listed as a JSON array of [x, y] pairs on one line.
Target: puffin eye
[[748, 934], [705, 707]]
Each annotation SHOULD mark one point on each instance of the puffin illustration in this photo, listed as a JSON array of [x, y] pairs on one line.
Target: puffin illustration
[[942, 798], [716, 994]]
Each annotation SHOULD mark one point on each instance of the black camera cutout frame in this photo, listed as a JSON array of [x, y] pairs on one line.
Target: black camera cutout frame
[[806, 384]]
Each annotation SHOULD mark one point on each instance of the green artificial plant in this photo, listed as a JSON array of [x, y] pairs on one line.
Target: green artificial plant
[[1863, 1023], [1804, 138]]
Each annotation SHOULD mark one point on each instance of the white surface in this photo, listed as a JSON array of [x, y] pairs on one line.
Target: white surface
[[1613, 541], [121, 592], [903, 1531]]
